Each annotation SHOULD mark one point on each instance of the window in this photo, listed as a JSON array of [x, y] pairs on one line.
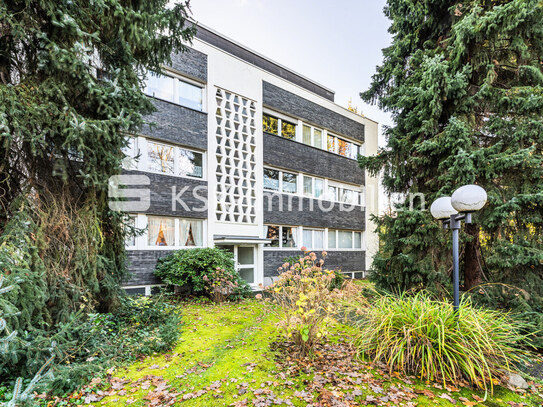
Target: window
[[312, 136], [272, 232], [275, 180], [160, 157], [175, 90], [191, 232], [289, 183], [288, 130], [288, 236], [342, 147], [160, 231], [308, 186], [173, 160], [344, 239], [171, 232], [332, 239], [190, 163], [313, 187], [319, 188], [332, 193], [272, 124], [344, 195], [271, 179], [281, 236], [307, 135], [130, 237], [313, 239], [160, 86], [190, 95], [357, 240], [130, 161]]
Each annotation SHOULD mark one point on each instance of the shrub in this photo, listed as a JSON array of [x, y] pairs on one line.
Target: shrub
[[189, 267], [339, 277], [221, 284], [421, 336], [304, 296]]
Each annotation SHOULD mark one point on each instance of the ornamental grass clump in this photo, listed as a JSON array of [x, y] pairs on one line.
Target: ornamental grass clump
[[303, 299], [421, 336]]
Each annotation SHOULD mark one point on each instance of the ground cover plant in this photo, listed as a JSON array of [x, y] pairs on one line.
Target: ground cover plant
[[233, 354], [140, 326]]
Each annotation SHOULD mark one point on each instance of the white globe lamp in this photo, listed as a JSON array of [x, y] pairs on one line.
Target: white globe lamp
[[469, 198], [442, 208]]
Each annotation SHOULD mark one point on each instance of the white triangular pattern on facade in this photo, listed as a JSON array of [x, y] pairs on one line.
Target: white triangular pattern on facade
[[236, 195]]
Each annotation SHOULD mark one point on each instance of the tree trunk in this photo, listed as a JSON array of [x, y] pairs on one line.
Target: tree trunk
[[473, 273]]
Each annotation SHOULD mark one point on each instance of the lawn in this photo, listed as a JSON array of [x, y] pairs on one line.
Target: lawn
[[229, 355]]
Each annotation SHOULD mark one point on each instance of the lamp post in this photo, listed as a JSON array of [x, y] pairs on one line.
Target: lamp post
[[452, 211]]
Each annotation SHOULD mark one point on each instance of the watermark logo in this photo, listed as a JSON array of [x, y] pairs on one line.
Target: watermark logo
[[125, 199]]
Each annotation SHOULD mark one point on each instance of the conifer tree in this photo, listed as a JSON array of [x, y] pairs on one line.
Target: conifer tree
[[70, 89], [464, 84]]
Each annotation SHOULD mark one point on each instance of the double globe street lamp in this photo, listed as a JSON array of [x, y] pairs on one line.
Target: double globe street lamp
[[452, 210]]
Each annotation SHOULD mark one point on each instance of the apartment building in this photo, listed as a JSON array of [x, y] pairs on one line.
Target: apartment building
[[246, 154]]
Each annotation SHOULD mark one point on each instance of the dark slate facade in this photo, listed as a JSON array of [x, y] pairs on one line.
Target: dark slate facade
[[162, 188], [307, 212], [141, 264], [192, 64], [291, 155], [342, 260], [177, 124], [286, 102]]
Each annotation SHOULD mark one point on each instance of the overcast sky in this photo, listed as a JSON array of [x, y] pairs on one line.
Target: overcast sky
[[336, 43]]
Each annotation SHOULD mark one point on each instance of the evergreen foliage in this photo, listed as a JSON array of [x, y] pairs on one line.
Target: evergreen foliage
[[464, 84], [191, 268], [70, 89]]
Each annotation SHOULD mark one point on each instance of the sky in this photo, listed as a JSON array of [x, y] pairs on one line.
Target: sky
[[337, 44]]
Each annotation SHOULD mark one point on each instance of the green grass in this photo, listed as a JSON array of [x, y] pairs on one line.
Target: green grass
[[224, 339]]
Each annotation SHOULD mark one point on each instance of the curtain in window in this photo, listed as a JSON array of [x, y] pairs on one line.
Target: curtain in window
[[161, 231], [197, 227], [184, 231]]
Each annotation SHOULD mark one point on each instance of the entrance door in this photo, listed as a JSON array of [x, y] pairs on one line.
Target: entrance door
[[244, 260]]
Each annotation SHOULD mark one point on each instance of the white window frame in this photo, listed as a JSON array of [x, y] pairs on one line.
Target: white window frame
[[296, 235], [352, 248], [148, 288], [280, 117], [359, 146], [142, 241], [140, 161], [180, 78], [313, 230], [280, 191]]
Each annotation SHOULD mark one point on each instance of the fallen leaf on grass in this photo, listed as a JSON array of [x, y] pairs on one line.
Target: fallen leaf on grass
[[447, 397]]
